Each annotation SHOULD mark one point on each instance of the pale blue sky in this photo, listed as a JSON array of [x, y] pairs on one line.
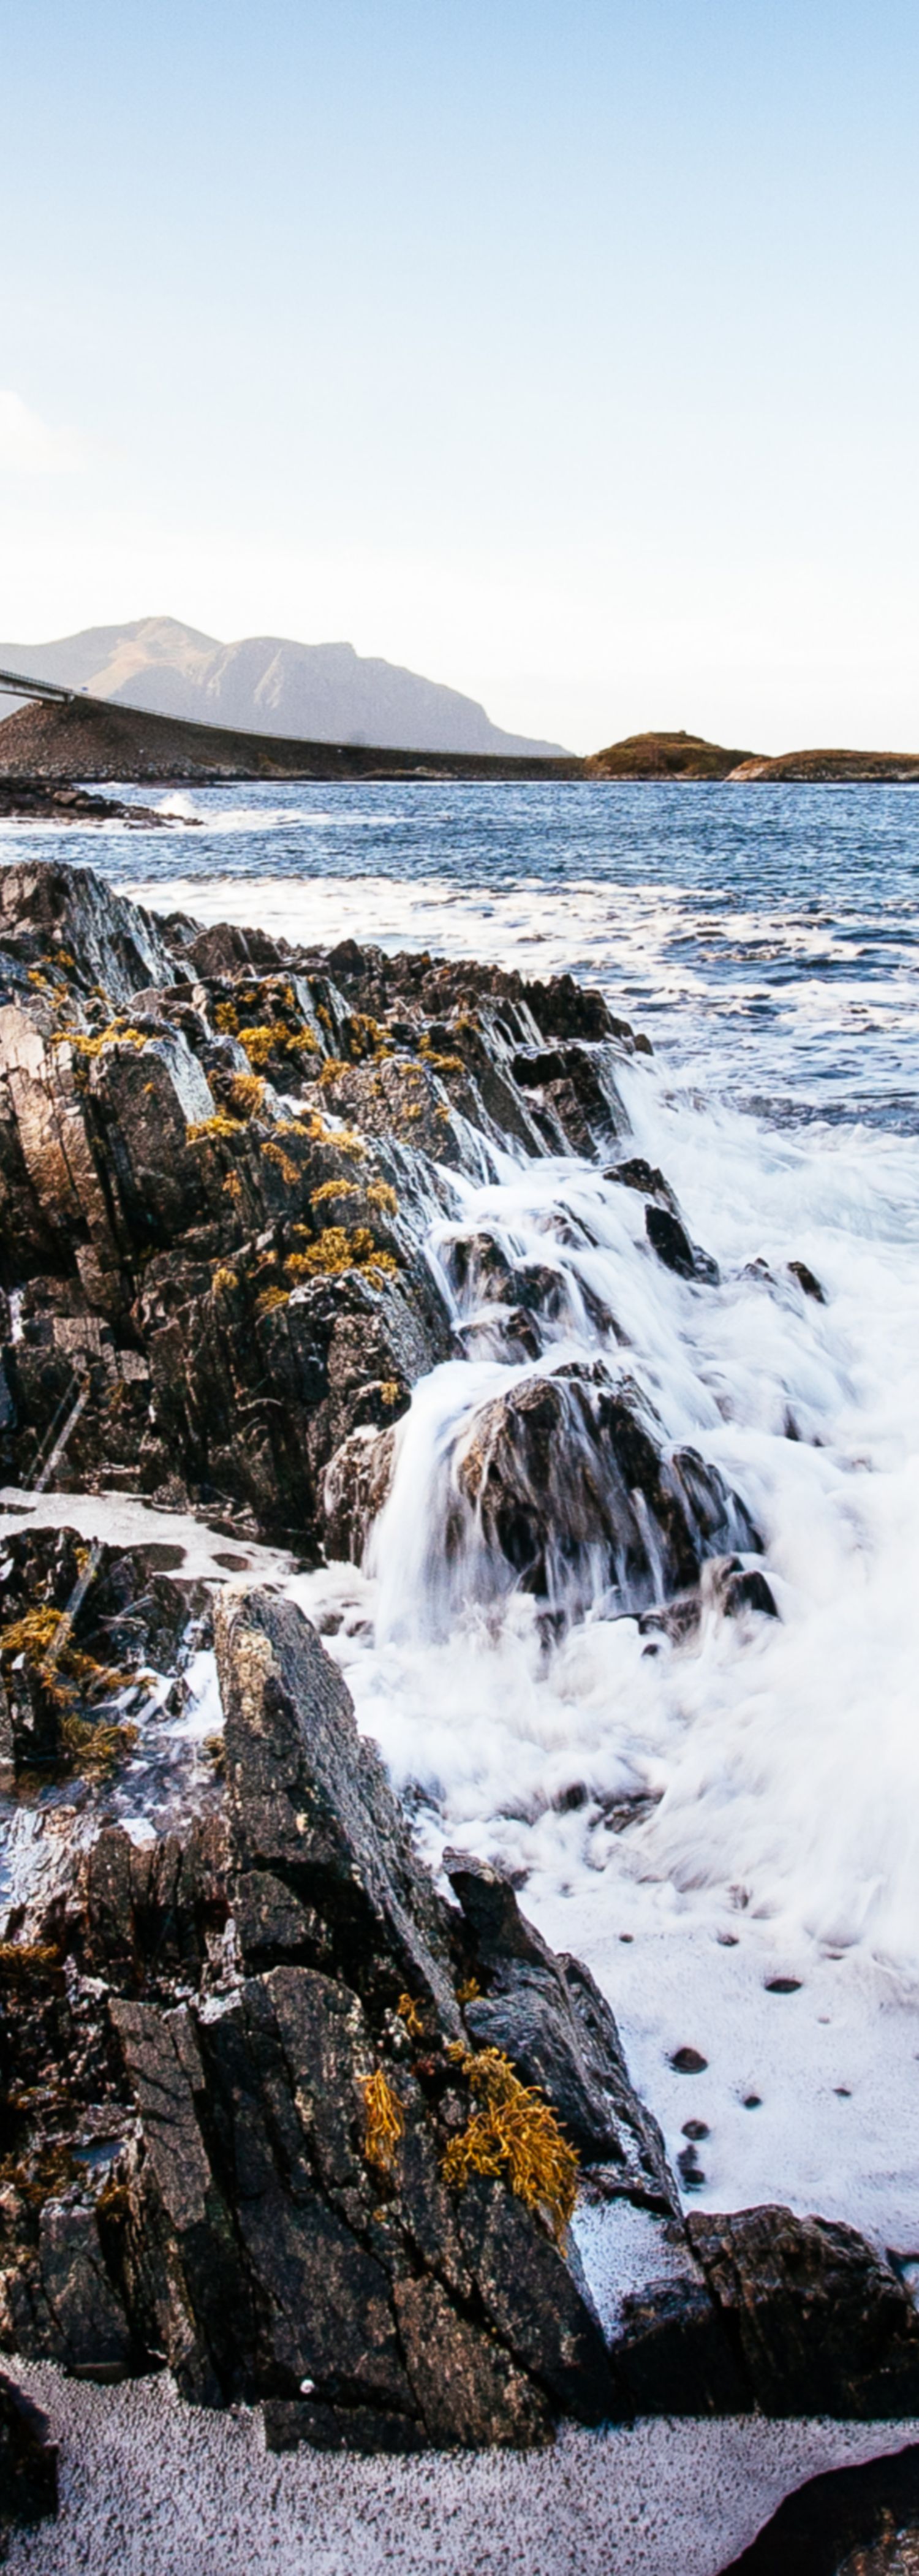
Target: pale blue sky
[[567, 354]]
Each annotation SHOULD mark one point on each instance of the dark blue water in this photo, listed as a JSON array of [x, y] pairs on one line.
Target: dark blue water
[[768, 937]]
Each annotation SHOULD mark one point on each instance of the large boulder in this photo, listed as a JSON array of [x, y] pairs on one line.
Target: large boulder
[[850, 2522], [822, 2323], [571, 1484]]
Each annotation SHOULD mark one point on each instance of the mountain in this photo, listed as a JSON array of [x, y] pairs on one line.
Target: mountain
[[664, 755], [265, 684]]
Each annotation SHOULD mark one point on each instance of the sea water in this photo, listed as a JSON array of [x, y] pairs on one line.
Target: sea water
[[728, 1830]]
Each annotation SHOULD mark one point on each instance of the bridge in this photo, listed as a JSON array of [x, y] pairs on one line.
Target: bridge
[[88, 739], [13, 684]]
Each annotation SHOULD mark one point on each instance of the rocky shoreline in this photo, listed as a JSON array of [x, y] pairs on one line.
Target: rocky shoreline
[[40, 800], [279, 2113]]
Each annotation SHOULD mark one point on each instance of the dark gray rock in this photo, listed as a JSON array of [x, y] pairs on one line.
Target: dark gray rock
[[47, 905], [564, 1470], [538, 2302], [310, 1802], [850, 2522], [288, 2421], [669, 1239], [548, 2016], [28, 2463], [801, 1271], [822, 2324]]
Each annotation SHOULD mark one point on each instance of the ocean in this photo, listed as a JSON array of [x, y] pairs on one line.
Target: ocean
[[727, 1829]]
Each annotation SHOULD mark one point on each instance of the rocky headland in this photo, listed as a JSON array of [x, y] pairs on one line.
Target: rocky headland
[[279, 2112], [665, 755], [39, 800]]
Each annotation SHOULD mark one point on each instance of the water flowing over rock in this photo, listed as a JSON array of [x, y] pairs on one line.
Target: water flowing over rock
[[219, 1161], [568, 1483]]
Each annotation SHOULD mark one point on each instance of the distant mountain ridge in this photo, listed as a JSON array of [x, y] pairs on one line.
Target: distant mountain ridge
[[267, 684]]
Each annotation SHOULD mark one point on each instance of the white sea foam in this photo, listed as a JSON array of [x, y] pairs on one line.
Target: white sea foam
[[151, 2487]]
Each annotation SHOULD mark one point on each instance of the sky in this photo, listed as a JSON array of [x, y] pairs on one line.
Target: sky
[[566, 353]]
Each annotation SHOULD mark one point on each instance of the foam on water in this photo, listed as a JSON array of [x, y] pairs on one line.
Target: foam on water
[[151, 2486]]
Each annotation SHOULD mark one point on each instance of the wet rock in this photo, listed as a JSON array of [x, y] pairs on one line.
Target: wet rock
[[466, 2386], [548, 2016], [572, 1093], [850, 2522], [735, 1588], [47, 907], [568, 1474], [671, 2350], [80, 1626], [28, 2463], [356, 1485], [688, 2061], [669, 1239], [309, 1800], [634, 1173], [217, 1157], [288, 2421], [823, 2324], [538, 2303], [253, 2250], [806, 1279], [224, 948], [666, 2342], [86, 2329]]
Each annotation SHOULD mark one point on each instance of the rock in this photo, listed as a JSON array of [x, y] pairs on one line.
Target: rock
[[251, 2240], [28, 2463], [80, 1626], [669, 1239], [548, 2016], [850, 2522], [735, 1588], [218, 1160], [355, 1487], [538, 2302], [86, 2329], [288, 2421], [805, 1277], [637, 1174], [46, 907], [564, 1474], [36, 800], [572, 1093], [466, 2387], [310, 1802], [823, 2325]]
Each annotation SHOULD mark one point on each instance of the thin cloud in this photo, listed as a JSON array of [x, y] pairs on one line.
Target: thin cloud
[[29, 446]]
